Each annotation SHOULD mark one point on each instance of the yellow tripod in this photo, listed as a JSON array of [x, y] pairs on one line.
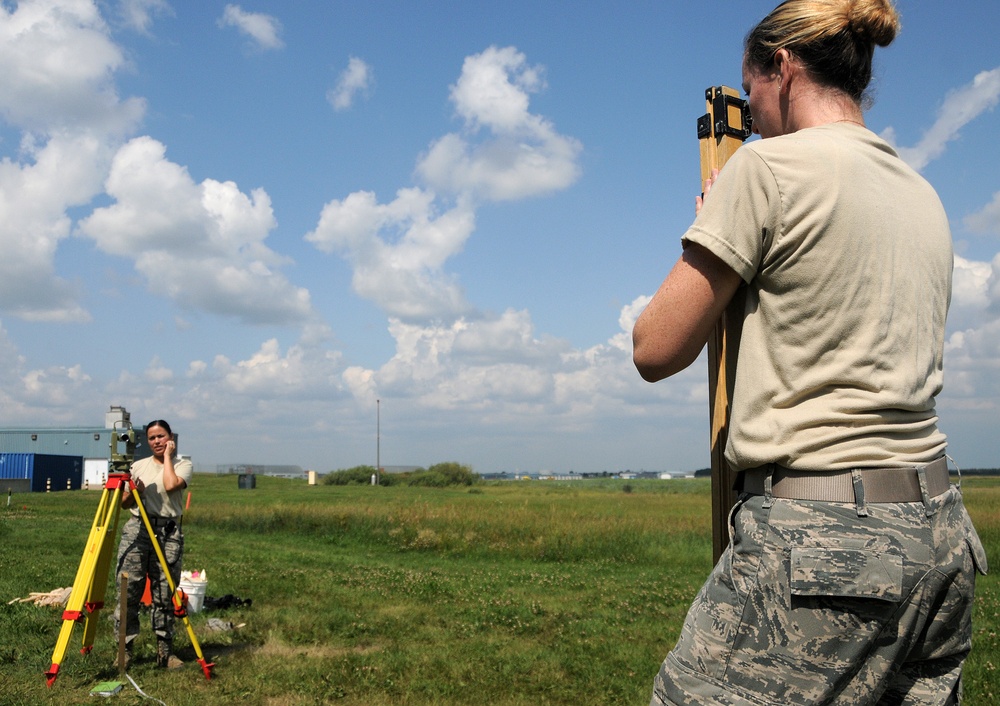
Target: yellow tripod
[[91, 582]]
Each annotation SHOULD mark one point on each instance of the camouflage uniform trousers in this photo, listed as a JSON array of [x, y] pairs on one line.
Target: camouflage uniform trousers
[[815, 603], [137, 556]]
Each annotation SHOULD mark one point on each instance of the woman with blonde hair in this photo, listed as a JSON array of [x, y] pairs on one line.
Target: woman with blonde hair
[[850, 572]]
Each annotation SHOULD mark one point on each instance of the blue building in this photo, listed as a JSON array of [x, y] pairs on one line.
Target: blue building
[[91, 444]]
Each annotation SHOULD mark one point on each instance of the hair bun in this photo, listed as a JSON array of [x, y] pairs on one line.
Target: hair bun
[[875, 21]]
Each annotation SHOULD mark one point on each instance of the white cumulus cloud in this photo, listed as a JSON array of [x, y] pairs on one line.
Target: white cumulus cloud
[[138, 14], [521, 156], [202, 245], [398, 250], [970, 284], [263, 30], [54, 392], [57, 87], [987, 219], [974, 336], [34, 196], [357, 78], [58, 64], [303, 371]]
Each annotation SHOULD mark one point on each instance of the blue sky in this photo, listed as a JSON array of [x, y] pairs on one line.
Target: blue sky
[[254, 220]]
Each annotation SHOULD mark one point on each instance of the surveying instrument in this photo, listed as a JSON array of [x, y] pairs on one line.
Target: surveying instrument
[[721, 131], [87, 596]]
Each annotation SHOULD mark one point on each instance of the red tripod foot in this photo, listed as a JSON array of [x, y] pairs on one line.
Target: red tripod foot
[[206, 667]]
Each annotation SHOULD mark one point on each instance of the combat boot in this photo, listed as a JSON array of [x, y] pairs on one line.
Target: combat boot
[[165, 659]]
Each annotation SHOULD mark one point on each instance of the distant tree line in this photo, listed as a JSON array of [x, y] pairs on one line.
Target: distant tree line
[[440, 475]]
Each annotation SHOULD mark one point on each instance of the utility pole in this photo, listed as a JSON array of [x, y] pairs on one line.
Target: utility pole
[[378, 441]]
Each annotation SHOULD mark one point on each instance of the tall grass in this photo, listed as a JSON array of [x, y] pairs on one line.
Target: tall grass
[[508, 594]]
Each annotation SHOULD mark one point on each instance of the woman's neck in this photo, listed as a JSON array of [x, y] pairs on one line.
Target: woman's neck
[[817, 105]]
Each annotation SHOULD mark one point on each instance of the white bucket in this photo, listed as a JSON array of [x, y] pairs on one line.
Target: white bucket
[[194, 588]]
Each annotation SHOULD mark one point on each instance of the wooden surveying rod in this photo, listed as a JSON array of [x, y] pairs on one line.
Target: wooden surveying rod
[[721, 131]]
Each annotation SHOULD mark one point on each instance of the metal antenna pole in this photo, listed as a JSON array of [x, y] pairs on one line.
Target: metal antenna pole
[[378, 441]]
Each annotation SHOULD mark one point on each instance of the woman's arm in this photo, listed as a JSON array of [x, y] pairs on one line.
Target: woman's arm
[[672, 330], [128, 501], [171, 481]]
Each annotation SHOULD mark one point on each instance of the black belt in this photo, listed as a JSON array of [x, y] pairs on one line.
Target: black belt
[[881, 485]]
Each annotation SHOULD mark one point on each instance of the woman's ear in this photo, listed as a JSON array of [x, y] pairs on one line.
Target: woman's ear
[[784, 68]]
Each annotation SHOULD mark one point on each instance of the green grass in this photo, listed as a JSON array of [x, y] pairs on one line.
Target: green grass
[[521, 593]]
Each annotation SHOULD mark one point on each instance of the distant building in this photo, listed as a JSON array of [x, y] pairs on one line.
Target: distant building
[[92, 444], [260, 469], [26, 473]]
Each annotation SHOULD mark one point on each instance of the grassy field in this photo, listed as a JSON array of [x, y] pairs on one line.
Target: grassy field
[[513, 594]]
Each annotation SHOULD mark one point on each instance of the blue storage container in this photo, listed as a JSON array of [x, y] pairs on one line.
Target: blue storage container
[[41, 472]]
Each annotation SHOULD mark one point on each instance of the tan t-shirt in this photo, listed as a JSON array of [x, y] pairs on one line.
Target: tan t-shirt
[[848, 259], [157, 502]]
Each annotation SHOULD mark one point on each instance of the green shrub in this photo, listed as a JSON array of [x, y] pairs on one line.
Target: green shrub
[[440, 475], [443, 474], [458, 473], [359, 475]]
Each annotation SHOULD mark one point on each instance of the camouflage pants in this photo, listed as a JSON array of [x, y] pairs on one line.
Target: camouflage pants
[[813, 603], [137, 556]]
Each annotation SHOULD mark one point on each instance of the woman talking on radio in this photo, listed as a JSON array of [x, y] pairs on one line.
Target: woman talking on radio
[[160, 480]]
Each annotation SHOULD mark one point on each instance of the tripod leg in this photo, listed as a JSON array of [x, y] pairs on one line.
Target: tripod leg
[[83, 584], [180, 610], [99, 584]]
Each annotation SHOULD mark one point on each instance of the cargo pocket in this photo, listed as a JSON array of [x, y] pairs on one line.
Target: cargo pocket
[[975, 546], [846, 573], [814, 615]]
